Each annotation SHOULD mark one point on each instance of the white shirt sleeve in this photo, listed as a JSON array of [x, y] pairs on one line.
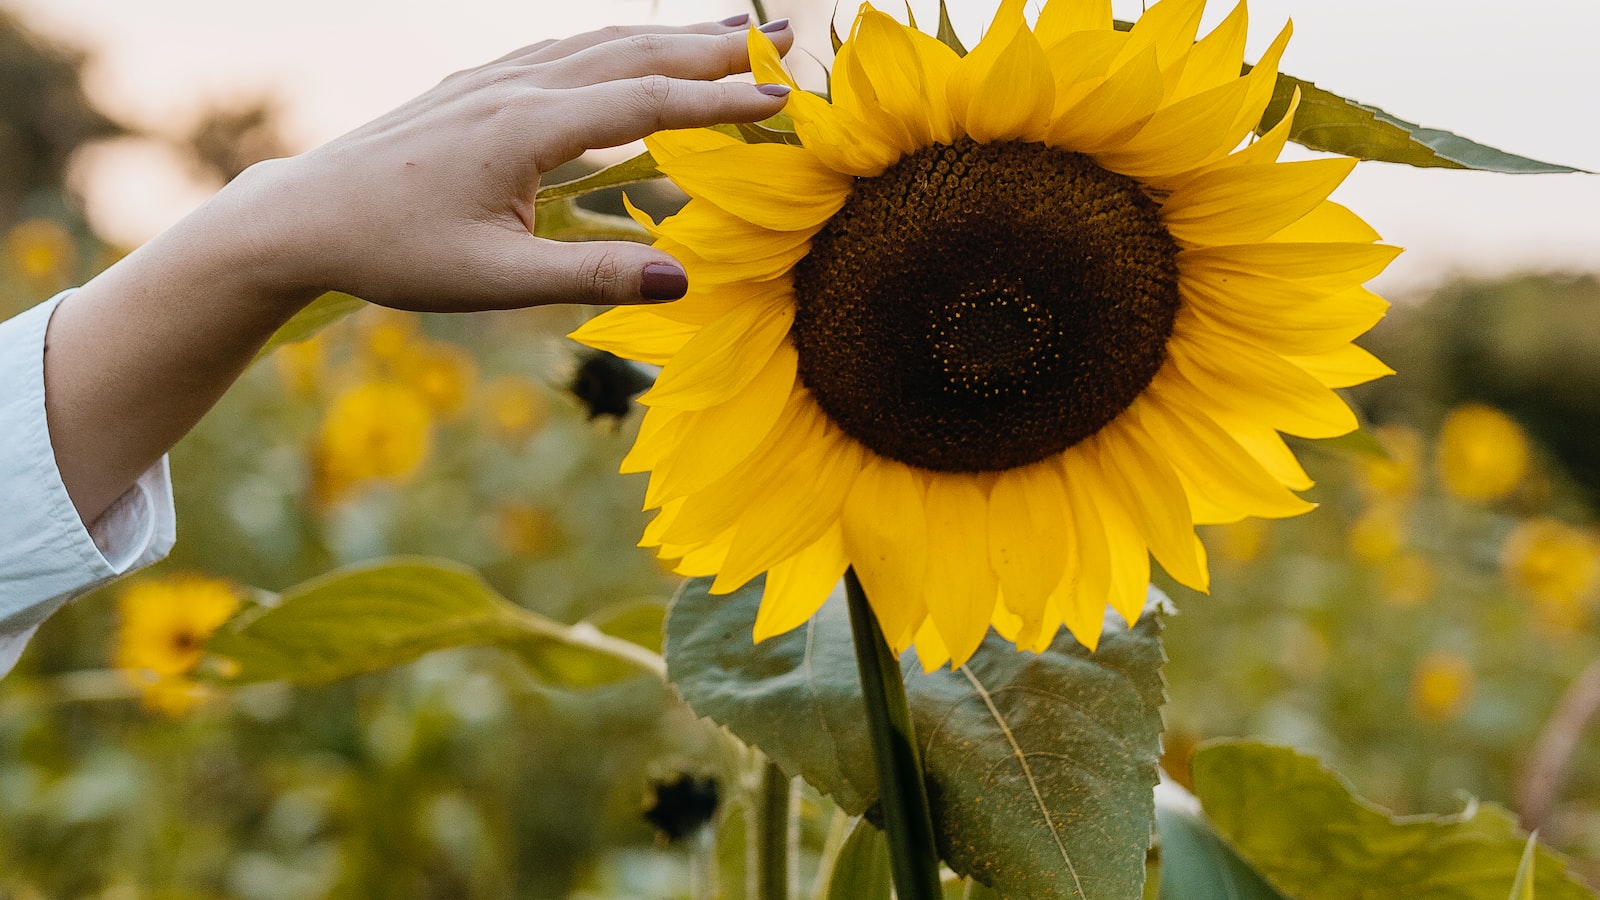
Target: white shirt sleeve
[[47, 556]]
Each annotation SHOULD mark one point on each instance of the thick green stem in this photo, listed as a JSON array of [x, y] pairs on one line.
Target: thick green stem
[[774, 836], [902, 795], [761, 11]]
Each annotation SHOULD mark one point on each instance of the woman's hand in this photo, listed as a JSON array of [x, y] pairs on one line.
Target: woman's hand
[[429, 207]]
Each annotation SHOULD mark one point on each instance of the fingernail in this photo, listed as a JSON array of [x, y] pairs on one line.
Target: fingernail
[[774, 27], [663, 281], [774, 90], [731, 21]]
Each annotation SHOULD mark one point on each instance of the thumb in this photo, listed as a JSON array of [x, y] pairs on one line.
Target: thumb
[[609, 273]]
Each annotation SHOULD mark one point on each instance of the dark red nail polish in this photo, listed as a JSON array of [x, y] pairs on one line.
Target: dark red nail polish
[[731, 21], [774, 90], [774, 27], [663, 281]]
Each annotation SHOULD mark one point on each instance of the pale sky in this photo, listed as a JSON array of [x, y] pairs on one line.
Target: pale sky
[[1516, 78]]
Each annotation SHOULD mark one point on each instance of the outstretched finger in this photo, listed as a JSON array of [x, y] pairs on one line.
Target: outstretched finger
[[704, 57], [607, 273], [616, 112], [551, 50]]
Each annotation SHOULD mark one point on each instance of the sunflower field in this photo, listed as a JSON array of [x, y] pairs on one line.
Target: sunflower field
[[1028, 500]]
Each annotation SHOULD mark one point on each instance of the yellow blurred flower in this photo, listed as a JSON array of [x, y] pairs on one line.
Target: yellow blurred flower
[[374, 430], [387, 334], [164, 624], [1556, 565], [524, 530], [1483, 454], [1409, 579], [514, 408], [1441, 686], [1378, 534], [39, 249], [1238, 542], [300, 365], [442, 373], [1397, 476]]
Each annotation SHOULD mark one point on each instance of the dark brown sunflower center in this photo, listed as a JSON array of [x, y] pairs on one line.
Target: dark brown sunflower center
[[979, 307]]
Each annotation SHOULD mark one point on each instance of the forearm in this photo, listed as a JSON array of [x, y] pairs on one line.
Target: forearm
[[427, 208], [135, 357]]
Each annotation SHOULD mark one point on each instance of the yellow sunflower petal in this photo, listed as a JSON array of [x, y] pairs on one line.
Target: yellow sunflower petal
[[1329, 266], [706, 276], [931, 651], [1212, 464], [1154, 499], [797, 587], [1112, 110], [1181, 136], [1081, 60], [1240, 376], [771, 185], [1217, 57], [961, 586], [1262, 81], [717, 235], [1028, 540], [659, 435], [1317, 326], [976, 80], [825, 131], [885, 65], [666, 146], [721, 505], [1248, 203], [1343, 367], [704, 560], [938, 61], [1013, 99], [765, 63], [856, 100], [795, 508], [1081, 597], [636, 333], [885, 535], [1328, 222], [1260, 441], [725, 356], [1061, 18], [716, 439], [1126, 570], [1168, 26]]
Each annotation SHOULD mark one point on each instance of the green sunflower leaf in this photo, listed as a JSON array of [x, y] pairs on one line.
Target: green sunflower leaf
[[562, 219], [862, 869], [1195, 863], [1327, 121], [629, 171], [1040, 767], [1310, 836], [389, 612], [319, 314]]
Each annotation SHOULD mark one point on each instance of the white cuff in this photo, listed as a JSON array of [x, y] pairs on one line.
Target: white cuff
[[47, 556]]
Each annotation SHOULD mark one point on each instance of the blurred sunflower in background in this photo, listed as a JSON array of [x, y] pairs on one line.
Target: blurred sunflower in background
[[163, 624], [997, 328]]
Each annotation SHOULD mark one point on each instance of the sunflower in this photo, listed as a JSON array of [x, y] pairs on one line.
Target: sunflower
[[996, 328]]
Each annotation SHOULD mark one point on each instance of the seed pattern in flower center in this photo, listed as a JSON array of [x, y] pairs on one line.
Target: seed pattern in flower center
[[979, 307]]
